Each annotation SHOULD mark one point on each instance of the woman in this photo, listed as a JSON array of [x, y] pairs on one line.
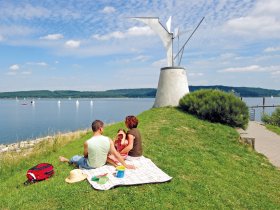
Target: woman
[[134, 147]]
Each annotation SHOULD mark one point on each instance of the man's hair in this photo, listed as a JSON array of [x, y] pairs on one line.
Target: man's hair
[[131, 121], [96, 125]]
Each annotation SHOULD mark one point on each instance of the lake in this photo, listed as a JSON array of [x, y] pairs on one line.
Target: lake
[[250, 101], [21, 119]]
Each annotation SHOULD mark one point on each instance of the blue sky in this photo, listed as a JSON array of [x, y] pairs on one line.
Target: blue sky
[[93, 45]]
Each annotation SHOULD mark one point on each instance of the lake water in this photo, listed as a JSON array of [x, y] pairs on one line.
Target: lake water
[[21, 120], [259, 101]]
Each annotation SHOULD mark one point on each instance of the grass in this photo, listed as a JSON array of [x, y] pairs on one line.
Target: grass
[[210, 170], [273, 128]]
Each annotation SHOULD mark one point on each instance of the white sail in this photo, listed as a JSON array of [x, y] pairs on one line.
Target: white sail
[[162, 32], [168, 24]]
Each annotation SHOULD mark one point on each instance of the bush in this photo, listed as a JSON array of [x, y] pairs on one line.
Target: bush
[[216, 106], [274, 119]]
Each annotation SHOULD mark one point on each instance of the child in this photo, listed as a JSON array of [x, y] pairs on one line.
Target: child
[[120, 143]]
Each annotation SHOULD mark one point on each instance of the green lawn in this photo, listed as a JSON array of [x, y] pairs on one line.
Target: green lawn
[[273, 128], [210, 170]]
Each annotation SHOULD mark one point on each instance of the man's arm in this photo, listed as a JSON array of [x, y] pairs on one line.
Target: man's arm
[[113, 151], [129, 147], [85, 149]]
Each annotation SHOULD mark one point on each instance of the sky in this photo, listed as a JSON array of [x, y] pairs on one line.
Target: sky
[[95, 45]]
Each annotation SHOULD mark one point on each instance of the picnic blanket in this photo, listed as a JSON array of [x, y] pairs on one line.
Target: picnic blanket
[[146, 172]]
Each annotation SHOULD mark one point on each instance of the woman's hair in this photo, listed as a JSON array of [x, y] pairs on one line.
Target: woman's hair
[[131, 121]]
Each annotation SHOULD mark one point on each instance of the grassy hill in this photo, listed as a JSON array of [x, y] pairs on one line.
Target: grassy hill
[[210, 170]]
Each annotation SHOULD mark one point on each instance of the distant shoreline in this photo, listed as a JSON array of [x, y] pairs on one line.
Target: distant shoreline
[[135, 93], [31, 143]]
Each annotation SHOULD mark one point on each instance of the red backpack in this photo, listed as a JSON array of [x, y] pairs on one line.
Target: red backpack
[[39, 172]]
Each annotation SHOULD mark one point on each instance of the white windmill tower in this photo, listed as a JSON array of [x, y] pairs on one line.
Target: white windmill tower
[[173, 83]]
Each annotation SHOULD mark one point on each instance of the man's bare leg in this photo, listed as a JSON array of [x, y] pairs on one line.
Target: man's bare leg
[[63, 159]]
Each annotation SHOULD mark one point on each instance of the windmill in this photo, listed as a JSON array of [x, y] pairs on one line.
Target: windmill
[[173, 83]]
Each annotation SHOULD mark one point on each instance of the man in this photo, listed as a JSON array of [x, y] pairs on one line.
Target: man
[[96, 150]]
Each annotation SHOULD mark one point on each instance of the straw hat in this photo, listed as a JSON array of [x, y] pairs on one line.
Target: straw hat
[[76, 175]]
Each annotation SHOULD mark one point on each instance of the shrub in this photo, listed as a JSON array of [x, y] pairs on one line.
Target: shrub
[[274, 119], [216, 106], [266, 118]]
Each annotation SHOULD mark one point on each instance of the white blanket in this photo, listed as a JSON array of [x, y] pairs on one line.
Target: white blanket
[[146, 172]]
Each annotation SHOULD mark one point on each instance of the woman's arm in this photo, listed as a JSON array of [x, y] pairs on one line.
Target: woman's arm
[[129, 147]]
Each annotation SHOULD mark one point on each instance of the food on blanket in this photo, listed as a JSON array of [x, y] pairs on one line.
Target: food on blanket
[[96, 178], [120, 171], [103, 180]]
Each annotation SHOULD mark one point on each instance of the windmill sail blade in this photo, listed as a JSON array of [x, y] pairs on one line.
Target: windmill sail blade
[[162, 32], [168, 24], [182, 48], [176, 32]]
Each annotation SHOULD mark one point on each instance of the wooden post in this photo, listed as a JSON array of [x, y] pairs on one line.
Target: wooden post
[[263, 104]]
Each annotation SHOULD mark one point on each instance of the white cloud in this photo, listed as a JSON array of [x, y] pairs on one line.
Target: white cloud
[[272, 49], [276, 73], [26, 11], [72, 44], [108, 10], [159, 63], [262, 21], [269, 6], [11, 73], [133, 31], [255, 25], [196, 74], [137, 59], [52, 37], [1, 38], [141, 58], [77, 66], [37, 63], [140, 31], [115, 34], [26, 72], [14, 67], [252, 68], [16, 30]]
